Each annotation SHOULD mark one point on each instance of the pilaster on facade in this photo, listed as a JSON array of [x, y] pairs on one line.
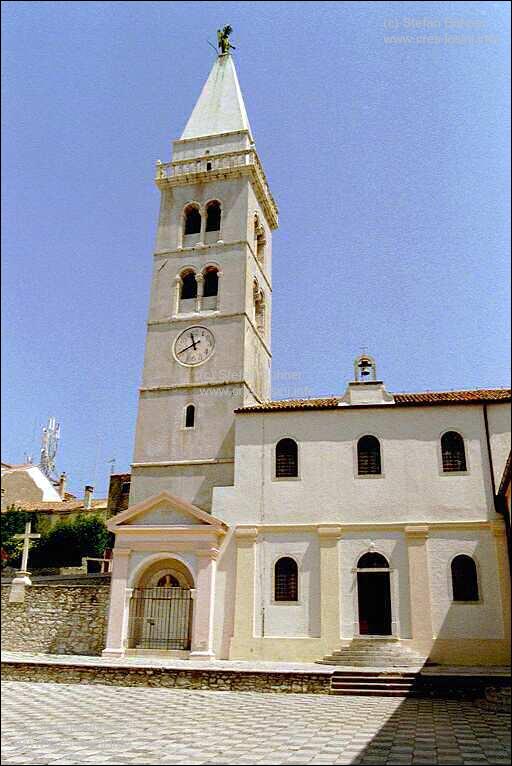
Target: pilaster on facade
[[419, 582]]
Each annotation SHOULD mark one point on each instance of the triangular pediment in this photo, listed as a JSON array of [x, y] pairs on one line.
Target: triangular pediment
[[164, 510]]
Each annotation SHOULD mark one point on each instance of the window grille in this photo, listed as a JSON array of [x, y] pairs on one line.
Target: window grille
[[452, 449], [287, 464], [368, 456], [286, 580]]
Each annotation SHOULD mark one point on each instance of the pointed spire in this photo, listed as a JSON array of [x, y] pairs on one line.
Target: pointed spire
[[220, 107]]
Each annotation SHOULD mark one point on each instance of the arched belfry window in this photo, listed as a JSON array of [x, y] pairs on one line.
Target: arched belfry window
[[286, 580], [453, 452], [188, 286], [190, 416], [368, 456], [213, 215], [211, 282], [464, 579], [259, 307], [259, 240], [287, 459], [192, 223]]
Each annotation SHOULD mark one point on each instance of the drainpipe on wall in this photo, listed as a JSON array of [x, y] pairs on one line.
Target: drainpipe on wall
[[499, 506]]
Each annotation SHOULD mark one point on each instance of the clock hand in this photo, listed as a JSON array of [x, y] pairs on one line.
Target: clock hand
[[192, 345], [193, 341]]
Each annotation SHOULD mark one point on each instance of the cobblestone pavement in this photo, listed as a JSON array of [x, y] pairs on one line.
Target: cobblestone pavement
[[45, 723]]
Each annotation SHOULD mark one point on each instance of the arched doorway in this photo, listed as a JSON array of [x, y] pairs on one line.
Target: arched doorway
[[374, 595], [161, 608]]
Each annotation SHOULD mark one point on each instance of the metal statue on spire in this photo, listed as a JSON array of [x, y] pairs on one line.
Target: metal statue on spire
[[223, 39]]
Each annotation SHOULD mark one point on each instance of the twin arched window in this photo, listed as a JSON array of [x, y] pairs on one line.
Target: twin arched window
[[464, 579], [198, 287], [193, 219], [453, 452], [286, 580], [287, 459], [368, 456]]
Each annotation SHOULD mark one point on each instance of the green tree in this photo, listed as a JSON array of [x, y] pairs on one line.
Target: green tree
[[68, 541], [12, 523]]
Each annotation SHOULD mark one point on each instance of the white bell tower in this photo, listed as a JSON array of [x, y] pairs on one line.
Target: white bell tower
[[208, 335]]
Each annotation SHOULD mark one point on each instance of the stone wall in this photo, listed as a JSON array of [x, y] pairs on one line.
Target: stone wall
[[59, 619], [170, 678]]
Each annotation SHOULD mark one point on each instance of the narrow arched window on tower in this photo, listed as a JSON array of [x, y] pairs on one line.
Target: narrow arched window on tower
[[190, 416], [188, 286], [464, 579], [211, 282], [286, 580], [287, 459], [368, 456], [453, 453], [259, 307], [213, 214], [259, 240], [192, 223]]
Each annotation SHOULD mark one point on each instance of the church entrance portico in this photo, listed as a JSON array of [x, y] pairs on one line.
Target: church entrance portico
[[163, 578], [161, 608]]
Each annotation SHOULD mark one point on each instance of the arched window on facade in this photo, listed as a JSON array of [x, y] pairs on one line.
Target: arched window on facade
[[190, 416], [464, 579], [287, 459], [192, 222], [213, 215], [453, 452], [368, 456], [259, 240], [286, 580], [259, 307]]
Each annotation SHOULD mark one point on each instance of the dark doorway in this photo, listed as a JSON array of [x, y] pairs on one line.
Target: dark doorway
[[374, 596]]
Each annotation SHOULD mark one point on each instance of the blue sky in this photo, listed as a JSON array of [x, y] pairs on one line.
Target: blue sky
[[387, 154]]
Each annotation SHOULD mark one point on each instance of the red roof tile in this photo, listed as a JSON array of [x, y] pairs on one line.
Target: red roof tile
[[425, 398]]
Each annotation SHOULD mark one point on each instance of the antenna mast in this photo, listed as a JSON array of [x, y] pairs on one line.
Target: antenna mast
[[49, 445]]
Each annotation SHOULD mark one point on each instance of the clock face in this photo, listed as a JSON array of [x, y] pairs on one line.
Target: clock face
[[194, 346]]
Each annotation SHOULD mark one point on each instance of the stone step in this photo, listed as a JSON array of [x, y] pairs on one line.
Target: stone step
[[376, 686], [374, 692], [408, 678]]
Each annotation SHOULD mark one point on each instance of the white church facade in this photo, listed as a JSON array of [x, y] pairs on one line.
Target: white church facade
[[285, 530]]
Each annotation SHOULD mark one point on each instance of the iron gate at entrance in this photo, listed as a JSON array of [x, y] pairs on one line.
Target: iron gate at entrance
[[160, 618]]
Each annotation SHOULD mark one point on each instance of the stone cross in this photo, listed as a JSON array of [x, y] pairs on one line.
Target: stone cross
[[27, 536]]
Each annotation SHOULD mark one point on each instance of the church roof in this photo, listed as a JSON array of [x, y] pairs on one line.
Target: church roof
[[424, 398], [220, 107]]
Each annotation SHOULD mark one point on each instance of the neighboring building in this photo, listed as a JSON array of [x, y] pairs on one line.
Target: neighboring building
[[26, 482], [118, 493], [68, 509], [282, 530]]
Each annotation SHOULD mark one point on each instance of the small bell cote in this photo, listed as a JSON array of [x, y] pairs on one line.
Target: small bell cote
[[365, 388]]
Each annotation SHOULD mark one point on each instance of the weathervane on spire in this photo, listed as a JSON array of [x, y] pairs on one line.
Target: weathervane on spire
[[223, 40]]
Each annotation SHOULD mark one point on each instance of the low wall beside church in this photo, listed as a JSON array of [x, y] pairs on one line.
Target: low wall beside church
[[59, 619]]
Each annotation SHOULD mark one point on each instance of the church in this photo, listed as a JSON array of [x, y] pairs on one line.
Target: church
[[289, 530]]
